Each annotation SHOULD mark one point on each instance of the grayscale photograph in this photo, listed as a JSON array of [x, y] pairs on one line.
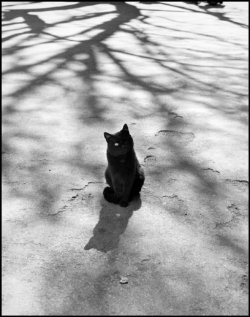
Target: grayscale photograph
[[125, 158]]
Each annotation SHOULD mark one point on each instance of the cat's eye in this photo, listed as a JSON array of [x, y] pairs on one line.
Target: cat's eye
[[116, 144]]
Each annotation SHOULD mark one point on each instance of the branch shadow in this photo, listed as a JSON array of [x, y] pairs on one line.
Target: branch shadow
[[220, 15], [227, 242], [113, 220], [90, 49], [90, 68]]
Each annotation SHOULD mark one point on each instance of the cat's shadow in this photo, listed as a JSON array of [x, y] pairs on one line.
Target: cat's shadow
[[113, 221]]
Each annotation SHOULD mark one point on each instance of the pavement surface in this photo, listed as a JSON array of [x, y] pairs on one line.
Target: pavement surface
[[177, 74]]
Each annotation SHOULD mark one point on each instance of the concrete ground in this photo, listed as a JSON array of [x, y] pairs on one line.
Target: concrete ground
[[177, 74]]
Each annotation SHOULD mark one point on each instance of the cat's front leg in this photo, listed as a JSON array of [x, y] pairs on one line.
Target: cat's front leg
[[124, 200], [126, 194], [118, 190]]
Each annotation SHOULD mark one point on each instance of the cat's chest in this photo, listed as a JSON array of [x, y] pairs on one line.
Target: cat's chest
[[122, 166]]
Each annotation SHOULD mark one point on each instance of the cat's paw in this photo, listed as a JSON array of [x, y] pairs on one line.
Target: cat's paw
[[108, 190], [108, 194], [123, 203]]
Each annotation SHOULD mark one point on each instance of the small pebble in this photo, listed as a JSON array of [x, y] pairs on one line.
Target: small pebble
[[118, 215], [123, 280]]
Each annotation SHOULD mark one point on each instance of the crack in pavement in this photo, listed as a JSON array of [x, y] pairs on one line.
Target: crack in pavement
[[175, 115], [173, 196], [235, 216], [175, 204], [149, 158], [64, 208], [236, 181], [84, 187], [240, 184], [59, 211], [210, 169], [244, 285], [173, 132], [182, 137]]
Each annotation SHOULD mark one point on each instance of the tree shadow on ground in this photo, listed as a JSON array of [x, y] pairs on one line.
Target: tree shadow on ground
[[85, 49], [86, 53], [207, 9]]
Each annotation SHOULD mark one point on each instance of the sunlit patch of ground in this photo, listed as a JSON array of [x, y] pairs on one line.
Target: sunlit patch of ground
[[177, 74]]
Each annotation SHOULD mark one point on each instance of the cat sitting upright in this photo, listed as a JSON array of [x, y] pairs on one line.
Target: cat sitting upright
[[124, 174]]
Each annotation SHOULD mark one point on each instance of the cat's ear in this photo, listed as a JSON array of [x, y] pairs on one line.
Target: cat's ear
[[107, 136], [125, 127]]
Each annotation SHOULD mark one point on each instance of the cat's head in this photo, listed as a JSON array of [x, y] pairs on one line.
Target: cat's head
[[119, 143]]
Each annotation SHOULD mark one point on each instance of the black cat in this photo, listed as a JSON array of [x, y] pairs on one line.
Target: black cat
[[124, 174]]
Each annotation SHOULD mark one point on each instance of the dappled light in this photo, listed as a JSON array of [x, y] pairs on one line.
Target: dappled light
[[177, 74]]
